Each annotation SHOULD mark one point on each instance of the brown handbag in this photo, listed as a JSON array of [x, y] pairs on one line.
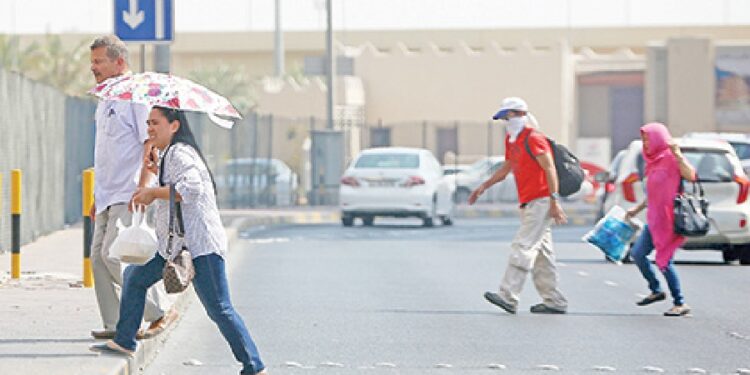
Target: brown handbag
[[178, 270]]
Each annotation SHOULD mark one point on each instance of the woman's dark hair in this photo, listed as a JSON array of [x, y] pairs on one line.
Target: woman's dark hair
[[183, 135]]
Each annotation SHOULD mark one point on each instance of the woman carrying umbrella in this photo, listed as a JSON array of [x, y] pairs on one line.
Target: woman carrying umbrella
[[183, 165]]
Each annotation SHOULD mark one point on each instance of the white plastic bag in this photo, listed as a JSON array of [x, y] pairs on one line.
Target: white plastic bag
[[135, 244]]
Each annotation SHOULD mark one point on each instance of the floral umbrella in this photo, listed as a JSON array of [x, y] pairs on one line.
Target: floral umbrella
[[165, 90]]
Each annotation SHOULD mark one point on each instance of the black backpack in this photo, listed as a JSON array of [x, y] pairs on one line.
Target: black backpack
[[570, 175]]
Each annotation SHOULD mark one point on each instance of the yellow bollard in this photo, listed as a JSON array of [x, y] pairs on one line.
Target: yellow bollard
[[15, 224], [88, 202]]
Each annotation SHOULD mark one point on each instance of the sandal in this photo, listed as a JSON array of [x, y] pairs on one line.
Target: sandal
[[678, 310], [111, 347], [654, 297]]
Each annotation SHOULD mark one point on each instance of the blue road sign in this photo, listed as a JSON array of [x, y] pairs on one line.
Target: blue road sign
[[144, 21]]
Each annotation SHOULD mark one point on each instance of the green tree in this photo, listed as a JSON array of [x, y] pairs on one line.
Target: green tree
[[48, 62]]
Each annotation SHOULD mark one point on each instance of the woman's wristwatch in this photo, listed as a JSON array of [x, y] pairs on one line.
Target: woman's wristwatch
[[555, 196]]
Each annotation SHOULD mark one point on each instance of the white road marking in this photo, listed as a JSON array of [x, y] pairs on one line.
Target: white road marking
[[385, 364], [610, 283], [496, 366], [583, 273], [604, 368], [653, 369], [696, 370], [548, 367], [332, 364]]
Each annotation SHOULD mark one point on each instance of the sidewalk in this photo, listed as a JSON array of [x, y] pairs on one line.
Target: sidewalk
[[46, 316]]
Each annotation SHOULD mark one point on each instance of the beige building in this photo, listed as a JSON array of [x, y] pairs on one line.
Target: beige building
[[589, 88]]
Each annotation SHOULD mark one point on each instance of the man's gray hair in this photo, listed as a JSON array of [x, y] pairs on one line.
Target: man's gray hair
[[115, 47]]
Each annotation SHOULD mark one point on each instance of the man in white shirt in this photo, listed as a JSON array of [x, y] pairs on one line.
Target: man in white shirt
[[120, 137]]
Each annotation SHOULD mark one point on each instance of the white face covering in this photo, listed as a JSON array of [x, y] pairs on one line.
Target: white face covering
[[514, 126]]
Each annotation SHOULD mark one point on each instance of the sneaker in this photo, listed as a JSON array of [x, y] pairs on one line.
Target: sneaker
[[498, 301], [111, 347], [653, 297], [541, 308], [678, 310]]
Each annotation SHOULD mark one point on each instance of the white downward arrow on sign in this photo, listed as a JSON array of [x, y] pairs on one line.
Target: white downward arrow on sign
[[133, 17]]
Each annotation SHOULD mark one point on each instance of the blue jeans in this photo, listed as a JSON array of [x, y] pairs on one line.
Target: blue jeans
[[210, 284], [643, 246]]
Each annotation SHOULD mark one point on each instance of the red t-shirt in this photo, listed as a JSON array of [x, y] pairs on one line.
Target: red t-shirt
[[531, 181]]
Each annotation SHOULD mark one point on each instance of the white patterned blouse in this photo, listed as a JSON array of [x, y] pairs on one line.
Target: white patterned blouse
[[204, 233]]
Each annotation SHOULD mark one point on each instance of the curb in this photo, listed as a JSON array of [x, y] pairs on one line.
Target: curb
[[148, 349]]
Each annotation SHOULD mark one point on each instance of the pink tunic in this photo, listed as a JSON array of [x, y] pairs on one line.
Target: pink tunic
[[662, 184]]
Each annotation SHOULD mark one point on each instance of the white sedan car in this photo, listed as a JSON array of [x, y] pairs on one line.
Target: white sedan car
[[396, 182]]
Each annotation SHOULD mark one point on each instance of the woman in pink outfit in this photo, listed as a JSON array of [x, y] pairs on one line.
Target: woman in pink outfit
[[665, 167]]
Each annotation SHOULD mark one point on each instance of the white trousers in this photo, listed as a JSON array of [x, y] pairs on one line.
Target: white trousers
[[531, 250]]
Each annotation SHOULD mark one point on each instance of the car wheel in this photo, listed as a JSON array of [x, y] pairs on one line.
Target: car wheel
[[446, 220], [429, 221], [731, 253], [347, 221], [461, 195], [368, 220], [745, 255]]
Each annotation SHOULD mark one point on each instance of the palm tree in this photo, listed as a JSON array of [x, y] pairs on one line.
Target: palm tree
[[51, 63], [230, 82]]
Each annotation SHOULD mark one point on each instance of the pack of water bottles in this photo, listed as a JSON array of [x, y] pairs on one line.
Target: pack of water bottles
[[613, 233]]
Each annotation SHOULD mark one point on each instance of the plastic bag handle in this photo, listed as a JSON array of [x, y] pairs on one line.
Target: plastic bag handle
[[138, 214]]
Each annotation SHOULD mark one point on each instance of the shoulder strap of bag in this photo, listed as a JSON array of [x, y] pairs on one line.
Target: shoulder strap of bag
[[526, 144], [171, 220], [528, 148], [161, 166]]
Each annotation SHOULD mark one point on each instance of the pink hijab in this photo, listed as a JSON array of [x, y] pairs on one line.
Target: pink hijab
[[662, 184]]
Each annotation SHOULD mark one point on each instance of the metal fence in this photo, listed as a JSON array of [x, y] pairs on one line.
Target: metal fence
[[262, 161], [32, 130]]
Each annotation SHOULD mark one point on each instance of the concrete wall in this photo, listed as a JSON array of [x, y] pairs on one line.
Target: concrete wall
[[463, 84], [691, 85]]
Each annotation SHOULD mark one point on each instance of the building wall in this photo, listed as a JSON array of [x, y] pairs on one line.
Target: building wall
[[433, 85], [691, 85]]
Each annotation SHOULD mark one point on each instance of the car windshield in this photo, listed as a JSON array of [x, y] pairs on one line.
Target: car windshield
[[404, 161], [711, 166], [742, 149]]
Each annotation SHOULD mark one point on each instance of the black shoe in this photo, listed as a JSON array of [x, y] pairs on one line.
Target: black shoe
[[654, 297], [541, 308], [498, 301]]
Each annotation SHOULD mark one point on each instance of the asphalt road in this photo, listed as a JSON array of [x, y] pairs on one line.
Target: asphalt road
[[400, 299]]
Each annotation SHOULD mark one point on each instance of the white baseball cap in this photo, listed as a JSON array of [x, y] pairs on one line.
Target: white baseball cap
[[511, 104]]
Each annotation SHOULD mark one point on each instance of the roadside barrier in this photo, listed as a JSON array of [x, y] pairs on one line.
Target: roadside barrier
[[15, 224], [88, 202]]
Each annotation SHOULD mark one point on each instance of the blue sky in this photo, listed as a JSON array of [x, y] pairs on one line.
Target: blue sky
[[95, 16]]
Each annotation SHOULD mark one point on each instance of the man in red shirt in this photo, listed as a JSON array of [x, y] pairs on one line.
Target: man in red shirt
[[537, 185]]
